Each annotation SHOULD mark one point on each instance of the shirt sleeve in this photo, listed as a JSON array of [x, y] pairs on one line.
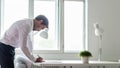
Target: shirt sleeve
[[29, 42], [23, 34]]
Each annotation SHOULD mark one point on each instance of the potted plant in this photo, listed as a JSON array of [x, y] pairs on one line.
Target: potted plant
[[85, 56]]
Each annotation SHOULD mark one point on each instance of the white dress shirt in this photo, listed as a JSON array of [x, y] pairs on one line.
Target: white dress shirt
[[18, 35]]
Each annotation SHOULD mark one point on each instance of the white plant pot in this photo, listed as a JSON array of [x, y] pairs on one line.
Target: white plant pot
[[85, 59]]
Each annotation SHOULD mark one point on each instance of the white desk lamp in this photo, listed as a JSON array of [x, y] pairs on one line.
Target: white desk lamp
[[98, 33], [44, 33]]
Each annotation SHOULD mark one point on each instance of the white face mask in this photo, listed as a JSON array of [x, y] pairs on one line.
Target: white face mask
[[44, 33]]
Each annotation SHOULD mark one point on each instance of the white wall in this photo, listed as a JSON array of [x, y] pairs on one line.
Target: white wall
[[107, 14]]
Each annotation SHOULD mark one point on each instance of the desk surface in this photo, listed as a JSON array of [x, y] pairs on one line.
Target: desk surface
[[76, 63]]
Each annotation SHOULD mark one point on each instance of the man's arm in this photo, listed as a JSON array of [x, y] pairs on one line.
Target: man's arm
[[23, 34], [25, 49]]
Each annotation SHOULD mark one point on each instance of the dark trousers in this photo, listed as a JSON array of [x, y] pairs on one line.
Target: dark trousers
[[6, 56]]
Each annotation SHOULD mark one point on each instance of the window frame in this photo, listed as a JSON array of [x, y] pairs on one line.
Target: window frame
[[60, 20], [1, 16]]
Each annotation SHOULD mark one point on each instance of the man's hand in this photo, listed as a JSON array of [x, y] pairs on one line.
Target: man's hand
[[39, 59]]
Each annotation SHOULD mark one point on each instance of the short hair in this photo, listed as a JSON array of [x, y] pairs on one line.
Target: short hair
[[44, 18]]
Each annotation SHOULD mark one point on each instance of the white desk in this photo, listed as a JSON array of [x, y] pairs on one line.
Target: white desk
[[72, 63]]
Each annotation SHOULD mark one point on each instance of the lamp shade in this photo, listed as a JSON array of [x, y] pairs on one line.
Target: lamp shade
[[98, 30], [44, 33]]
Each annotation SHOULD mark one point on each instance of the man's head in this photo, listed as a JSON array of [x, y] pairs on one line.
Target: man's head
[[40, 22]]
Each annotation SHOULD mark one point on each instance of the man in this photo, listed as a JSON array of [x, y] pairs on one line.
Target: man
[[17, 36]]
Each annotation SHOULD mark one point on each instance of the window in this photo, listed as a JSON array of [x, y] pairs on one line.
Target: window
[[73, 25], [66, 22], [70, 29], [47, 8], [13, 11]]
